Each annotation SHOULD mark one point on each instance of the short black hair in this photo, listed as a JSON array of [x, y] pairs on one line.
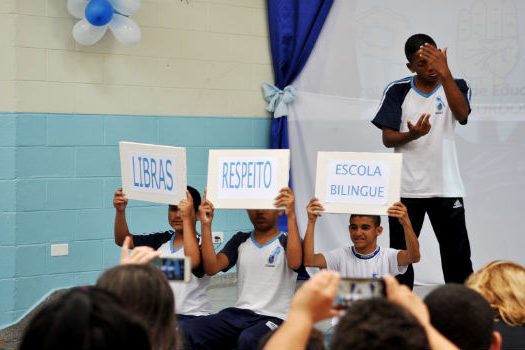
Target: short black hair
[[415, 42], [377, 324], [375, 218], [462, 315], [84, 319], [196, 199]]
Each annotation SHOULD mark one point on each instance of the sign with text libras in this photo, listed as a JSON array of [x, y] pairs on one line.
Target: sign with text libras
[[153, 173], [358, 183], [247, 179]]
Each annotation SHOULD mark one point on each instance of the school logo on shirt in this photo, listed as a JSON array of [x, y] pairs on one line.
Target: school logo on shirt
[[440, 105], [273, 257]]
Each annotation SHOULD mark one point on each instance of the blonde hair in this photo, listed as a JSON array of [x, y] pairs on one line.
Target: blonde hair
[[502, 283]]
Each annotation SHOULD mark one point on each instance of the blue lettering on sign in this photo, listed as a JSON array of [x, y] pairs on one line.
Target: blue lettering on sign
[[152, 173], [241, 175], [168, 173], [357, 170], [357, 191]]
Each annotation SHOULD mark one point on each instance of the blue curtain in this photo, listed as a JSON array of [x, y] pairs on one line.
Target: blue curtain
[[294, 28]]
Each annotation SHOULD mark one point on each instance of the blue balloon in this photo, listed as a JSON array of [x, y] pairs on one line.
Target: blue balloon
[[99, 12]]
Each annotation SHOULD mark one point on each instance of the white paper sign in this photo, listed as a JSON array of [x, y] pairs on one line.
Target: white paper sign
[[358, 183], [153, 173], [246, 179]]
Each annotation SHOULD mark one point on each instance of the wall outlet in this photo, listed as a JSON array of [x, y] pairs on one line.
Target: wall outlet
[[218, 237], [59, 249]]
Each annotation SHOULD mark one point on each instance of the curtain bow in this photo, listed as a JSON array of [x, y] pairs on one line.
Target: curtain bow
[[278, 99]]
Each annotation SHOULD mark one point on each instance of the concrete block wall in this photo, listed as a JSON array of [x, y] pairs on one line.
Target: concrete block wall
[[60, 186], [196, 57], [193, 80]]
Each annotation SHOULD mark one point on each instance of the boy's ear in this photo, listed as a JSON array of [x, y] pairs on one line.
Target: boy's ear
[[410, 67], [379, 230]]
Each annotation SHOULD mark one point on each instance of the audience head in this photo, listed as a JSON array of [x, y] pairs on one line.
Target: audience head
[[413, 44], [502, 283], [84, 319], [145, 292], [377, 324], [315, 341], [462, 315]]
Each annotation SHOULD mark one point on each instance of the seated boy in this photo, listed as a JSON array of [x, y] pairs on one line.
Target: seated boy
[[191, 299], [266, 259], [365, 259]]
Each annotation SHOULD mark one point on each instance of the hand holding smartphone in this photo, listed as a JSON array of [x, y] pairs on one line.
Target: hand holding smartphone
[[175, 269], [354, 289]]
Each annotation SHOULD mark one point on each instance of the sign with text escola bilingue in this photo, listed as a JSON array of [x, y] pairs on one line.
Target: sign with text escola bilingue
[[153, 173], [358, 182]]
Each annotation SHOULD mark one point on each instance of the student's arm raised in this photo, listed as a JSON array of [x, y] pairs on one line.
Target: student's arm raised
[[411, 254], [310, 258], [121, 230], [189, 236], [212, 262], [438, 61], [294, 249]]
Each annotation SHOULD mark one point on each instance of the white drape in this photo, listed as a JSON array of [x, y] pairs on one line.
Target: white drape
[[360, 50]]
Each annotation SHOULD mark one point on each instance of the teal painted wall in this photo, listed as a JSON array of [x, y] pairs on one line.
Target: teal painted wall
[[58, 173]]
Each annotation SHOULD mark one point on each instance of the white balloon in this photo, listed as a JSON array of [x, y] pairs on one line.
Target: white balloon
[[77, 8], [87, 34], [127, 7], [125, 29]]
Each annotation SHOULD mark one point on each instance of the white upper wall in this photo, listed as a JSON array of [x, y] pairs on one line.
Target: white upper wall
[[202, 58]]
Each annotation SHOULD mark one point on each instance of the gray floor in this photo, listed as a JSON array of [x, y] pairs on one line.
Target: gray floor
[[223, 293]]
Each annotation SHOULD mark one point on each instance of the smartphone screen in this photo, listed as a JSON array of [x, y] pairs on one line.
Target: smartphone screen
[[175, 269], [354, 289]]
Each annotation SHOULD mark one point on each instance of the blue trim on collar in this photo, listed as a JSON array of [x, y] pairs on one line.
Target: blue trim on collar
[[171, 244], [366, 256], [265, 244], [421, 93]]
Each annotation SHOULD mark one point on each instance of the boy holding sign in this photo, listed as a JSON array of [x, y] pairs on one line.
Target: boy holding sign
[[431, 182], [266, 259], [365, 259], [191, 299]]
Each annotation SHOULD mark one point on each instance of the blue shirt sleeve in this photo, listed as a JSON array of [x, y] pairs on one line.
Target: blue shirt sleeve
[[389, 112], [467, 93], [153, 240], [231, 249]]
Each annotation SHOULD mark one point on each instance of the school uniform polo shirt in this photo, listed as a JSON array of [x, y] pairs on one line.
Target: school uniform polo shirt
[[430, 165], [351, 264], [265, 283], [191, 298]]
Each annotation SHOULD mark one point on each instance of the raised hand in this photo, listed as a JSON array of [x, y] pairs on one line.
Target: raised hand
[[286, 199], [138, 256], [313, 209], [206, 210], [436, 58], [314, 299], [186, 206], [421, 128], [119, 200], [399, 210]]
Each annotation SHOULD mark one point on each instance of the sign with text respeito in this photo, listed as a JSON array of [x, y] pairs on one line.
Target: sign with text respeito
[[153, 173], [247, 179], [358, 183]]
